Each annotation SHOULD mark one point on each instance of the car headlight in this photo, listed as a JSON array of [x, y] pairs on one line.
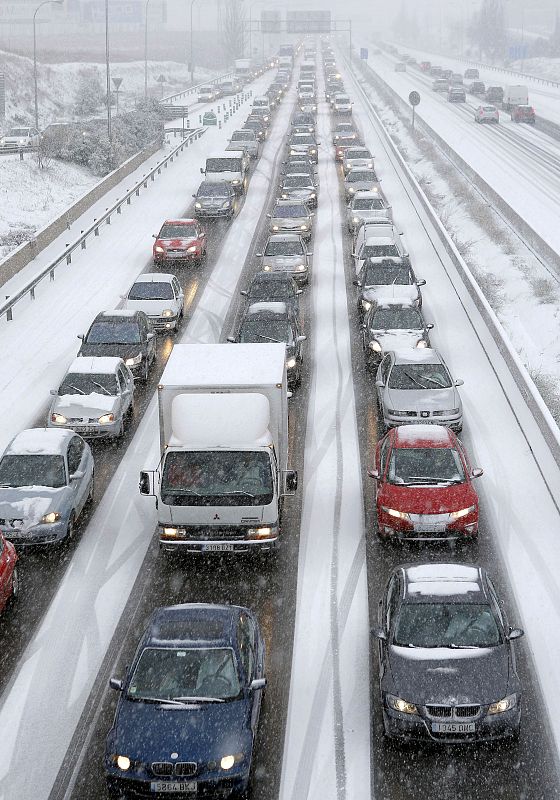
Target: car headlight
[[450, 412], [225, 204], [167, 313], [303, 227], [48, 519], [312, 151], [506, 704], [267, 268], [284, 196], [235, 181], [355, 220], [370, 165], [374, 345], [293, 152], [58, 419], [421, 343], [351, 190], [198, 205], [290, 363], [301, 268], [191, 249], [275, 227], [131, 362], [159, 249], [366, 305], [123, 762], [462, 513], [227, 762], [394, 513], [266, 118], [312, 195], [106, 419], [398, 704]]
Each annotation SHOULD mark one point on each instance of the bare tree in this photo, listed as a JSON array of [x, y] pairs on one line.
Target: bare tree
[[233, 29], [488, 30]]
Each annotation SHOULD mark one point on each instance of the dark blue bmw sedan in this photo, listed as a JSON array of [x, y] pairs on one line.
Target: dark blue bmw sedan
[[189, 706]]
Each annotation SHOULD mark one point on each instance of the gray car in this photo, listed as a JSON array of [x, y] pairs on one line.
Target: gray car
[[287, 252], [46, 481], [291, 217], [247, 139], [356, 157], [299, 186], [360, 180], [214, 200], [95, 398], [415, 386], [393, 325], [366, 206], [303, 144], [387, 279]]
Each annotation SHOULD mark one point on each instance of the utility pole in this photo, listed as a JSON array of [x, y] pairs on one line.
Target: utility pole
[[108, 71]]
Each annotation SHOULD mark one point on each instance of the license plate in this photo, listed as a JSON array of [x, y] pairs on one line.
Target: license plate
[[219, 547], [81, 429], [173, 786], [453, 727]]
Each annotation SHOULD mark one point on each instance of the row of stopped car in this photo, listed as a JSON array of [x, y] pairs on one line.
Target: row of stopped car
[[447, 666]]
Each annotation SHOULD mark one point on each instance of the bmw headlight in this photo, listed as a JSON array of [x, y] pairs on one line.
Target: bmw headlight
[[50, 518], [290, 363], [131, 362], [506, 704], [58, 419], [462, 513], [398, 704], [167, 313], [375, 346]]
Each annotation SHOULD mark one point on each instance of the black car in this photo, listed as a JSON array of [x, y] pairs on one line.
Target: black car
[[447, 667], [214, 200], [126, 334], [393, 324], [273, 287], [477, 88], [304, 119], [189, 705]]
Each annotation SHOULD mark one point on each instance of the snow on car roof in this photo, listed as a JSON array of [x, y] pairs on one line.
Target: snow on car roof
[[39, 441], [284, 237], [380, 240], [367, 194], [443, 580], [181, 221], [118, 312], [154, 277], [99, 365], [421, 355], [270, 308], [422, 435]]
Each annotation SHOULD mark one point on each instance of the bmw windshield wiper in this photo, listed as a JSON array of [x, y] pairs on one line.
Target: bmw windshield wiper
[[199, 699], [174, 701]]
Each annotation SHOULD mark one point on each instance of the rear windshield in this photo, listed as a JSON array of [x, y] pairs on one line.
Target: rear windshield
[[387, 319], [232, 164], [284, 212], [156, 290]]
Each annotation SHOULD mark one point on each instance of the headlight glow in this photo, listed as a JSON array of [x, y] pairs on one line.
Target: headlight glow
[[225, 204], [131, 362], [167, 313], [227, 762], [394, 513], [267, 268], [355, 220], [374, 345], [398, 704], [366, 305], [58, 419], [301, 268], [123, 762], [351, 190], [48, 519], [275, 227], [191, 249], [198, 205], [462, 513], [303, 227], [421, 343], [235, 181], [290, 363], [106, 419], [503, 705], [159, 249], [170, 532]]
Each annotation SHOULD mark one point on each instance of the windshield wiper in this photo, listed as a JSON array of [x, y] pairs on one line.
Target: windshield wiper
[[199, 699], [268, 338], [71, 386], [434, 380], [244, 494], [174, 701], [428, 479], [103, 388], [413, 379]]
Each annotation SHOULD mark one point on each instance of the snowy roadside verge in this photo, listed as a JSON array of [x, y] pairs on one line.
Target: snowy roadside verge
[[522, 290]]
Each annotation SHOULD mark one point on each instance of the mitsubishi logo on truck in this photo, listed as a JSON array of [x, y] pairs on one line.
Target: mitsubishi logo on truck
[[216, 516]]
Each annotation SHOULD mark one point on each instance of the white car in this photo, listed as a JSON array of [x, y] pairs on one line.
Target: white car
[[341, 104], [207, 94], [95, 398], [367, 206], [160, 296], [20, 139]]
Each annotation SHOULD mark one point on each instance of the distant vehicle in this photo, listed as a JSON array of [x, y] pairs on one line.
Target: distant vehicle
[[366, 206], [9, 574], [487, 114], [46, 482], [435, 71], [94, 399], [393, 325], [387, 280], [346, 129], [446, 73], [303, 144], [515, 96], [477, 88], [523, 114], [494, 94], [230, 86], [301, 120], [356, 157], [341, 105], [451, 618], [215, 199], [456, 79], [123, 333], [425, 66], [228, 166], [180, 240], [207, 94], [243, 69], [343, 142], [160, 296], [273, 287], [400, 66], [197, 667], [299, 186], [263, 113], [23, 138], [246, 139], [286, 252], [440, 85], [360, 179], [262, 104], [256, 124], [289, 216], [456, 95], [472, 73]]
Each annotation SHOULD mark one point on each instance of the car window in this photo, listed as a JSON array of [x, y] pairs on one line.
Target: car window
[[496, 602], [176, 287], [425, 466], [245, 638], [383, 450], [121, 331], [121, 380], [385, 367], [446, 624], [32, 470], [419, 376], [75, 453]]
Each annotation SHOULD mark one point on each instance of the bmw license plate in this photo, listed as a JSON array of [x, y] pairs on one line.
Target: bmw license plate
[[173, 786], [453, 727], [218, 547]]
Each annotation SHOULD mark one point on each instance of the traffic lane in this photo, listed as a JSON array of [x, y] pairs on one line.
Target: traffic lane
[[505, 770]]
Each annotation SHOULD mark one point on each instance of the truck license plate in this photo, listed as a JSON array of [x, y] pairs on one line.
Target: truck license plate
[[173, 786], [218, 547], [453, 727]]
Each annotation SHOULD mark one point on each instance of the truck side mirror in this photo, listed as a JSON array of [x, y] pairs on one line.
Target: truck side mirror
[[420, 282], [146, 484], [290, 478]]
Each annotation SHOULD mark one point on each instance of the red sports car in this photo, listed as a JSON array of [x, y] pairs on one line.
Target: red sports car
[[424, 489], [180, 240], [9, 582]]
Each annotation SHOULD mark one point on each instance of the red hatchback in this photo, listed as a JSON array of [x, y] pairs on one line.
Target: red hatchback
[[180, 240], [9, 581], [423, 482]]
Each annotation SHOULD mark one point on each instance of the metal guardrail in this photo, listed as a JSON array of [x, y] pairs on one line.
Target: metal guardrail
[[81, 242], [192, 89]]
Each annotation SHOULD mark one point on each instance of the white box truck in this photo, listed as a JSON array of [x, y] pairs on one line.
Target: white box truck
[[243, 69], [515, 96], [223, 471]]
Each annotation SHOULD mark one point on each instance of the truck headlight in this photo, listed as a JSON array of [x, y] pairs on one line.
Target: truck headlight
[[375, 346], [167, 313], [159, 249], [58, 419], [290, 363], [131, 362], [106, 419], [506, 704], [50, 518]]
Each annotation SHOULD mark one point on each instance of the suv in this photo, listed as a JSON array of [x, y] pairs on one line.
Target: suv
[[215, 199], [456, 95], [126, 334]]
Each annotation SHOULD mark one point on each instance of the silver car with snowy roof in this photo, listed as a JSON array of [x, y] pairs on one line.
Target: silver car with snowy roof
[[367, 206], [286, 252], [393, 325]]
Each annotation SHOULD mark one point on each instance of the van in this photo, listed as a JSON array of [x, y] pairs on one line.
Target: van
[[515, 96], [231, 166]]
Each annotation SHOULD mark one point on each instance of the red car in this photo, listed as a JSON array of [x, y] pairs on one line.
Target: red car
[[423, 485], [425, 66], [9, 582], [180, 240], [523, 114]]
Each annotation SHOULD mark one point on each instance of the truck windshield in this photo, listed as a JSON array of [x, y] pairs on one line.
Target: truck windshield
[[223, 164], [217, 478]]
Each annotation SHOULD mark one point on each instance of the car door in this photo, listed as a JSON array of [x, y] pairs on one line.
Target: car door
[[383, 375], [4, 573], [125, 392], [147, 337], [179, 295], [77, 464], [247, 644], [388, 615]]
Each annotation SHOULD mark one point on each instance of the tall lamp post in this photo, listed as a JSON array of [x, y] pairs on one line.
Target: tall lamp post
[[146, 49], [44, 3]]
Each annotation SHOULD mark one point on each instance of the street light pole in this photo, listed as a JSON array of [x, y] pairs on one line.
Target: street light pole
[[146, 50], [44, 3], [108, 70]]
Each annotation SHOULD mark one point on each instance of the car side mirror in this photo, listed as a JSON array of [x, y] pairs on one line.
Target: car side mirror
[[231, 339], [379, 383], [244, 293], [146, 483], [429, 326], [459, 382], [420, 282], [116, 684], [78, 475], [269, 216], [202, 170], [476, 472], [373, 473], [309, 254], [193, 195], [154, 235], [81, 336], [203, 235], [290, 480], [256, 684], [54, 392], [515, 633], [299, 291], [378, 632], [300, 339]]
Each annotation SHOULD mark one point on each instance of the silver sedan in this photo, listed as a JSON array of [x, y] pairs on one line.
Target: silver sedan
[[415, 386], [360, 180], [299, 187], [356, 157], [286, 252], [365, 206]]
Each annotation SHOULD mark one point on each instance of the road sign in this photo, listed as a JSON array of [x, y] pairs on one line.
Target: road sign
[[364, 53], [117, 83], [414, 98]]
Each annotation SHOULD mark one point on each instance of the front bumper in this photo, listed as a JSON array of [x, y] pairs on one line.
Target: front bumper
[[134, 787], [177, 257], [92, 430], [164, 323], [427, 527], [37, 535], [205, 539], [487, 727], [212, 211], [455, 423]]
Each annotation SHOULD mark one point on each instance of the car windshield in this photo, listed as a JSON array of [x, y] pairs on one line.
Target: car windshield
[[392, 274], [419, 376], [261, 103], [265, 330], [223, 164], [213, 190], [489, 108], [166, 673], [242, 136], [32, 470], [415, 466], [122, 331], [284, 249], [297, 182], [379, 251], [289, 211], [358, 154], [275, 291], [90, 383], [302, 138], [226, 478], [151, 290], [19, 132], [361, 175], [442, 624], [178, 232], [396, 318], [367, 204], [342, 100]]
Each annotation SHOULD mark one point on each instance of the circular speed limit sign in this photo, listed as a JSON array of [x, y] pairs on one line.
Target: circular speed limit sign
[[414, 98]]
